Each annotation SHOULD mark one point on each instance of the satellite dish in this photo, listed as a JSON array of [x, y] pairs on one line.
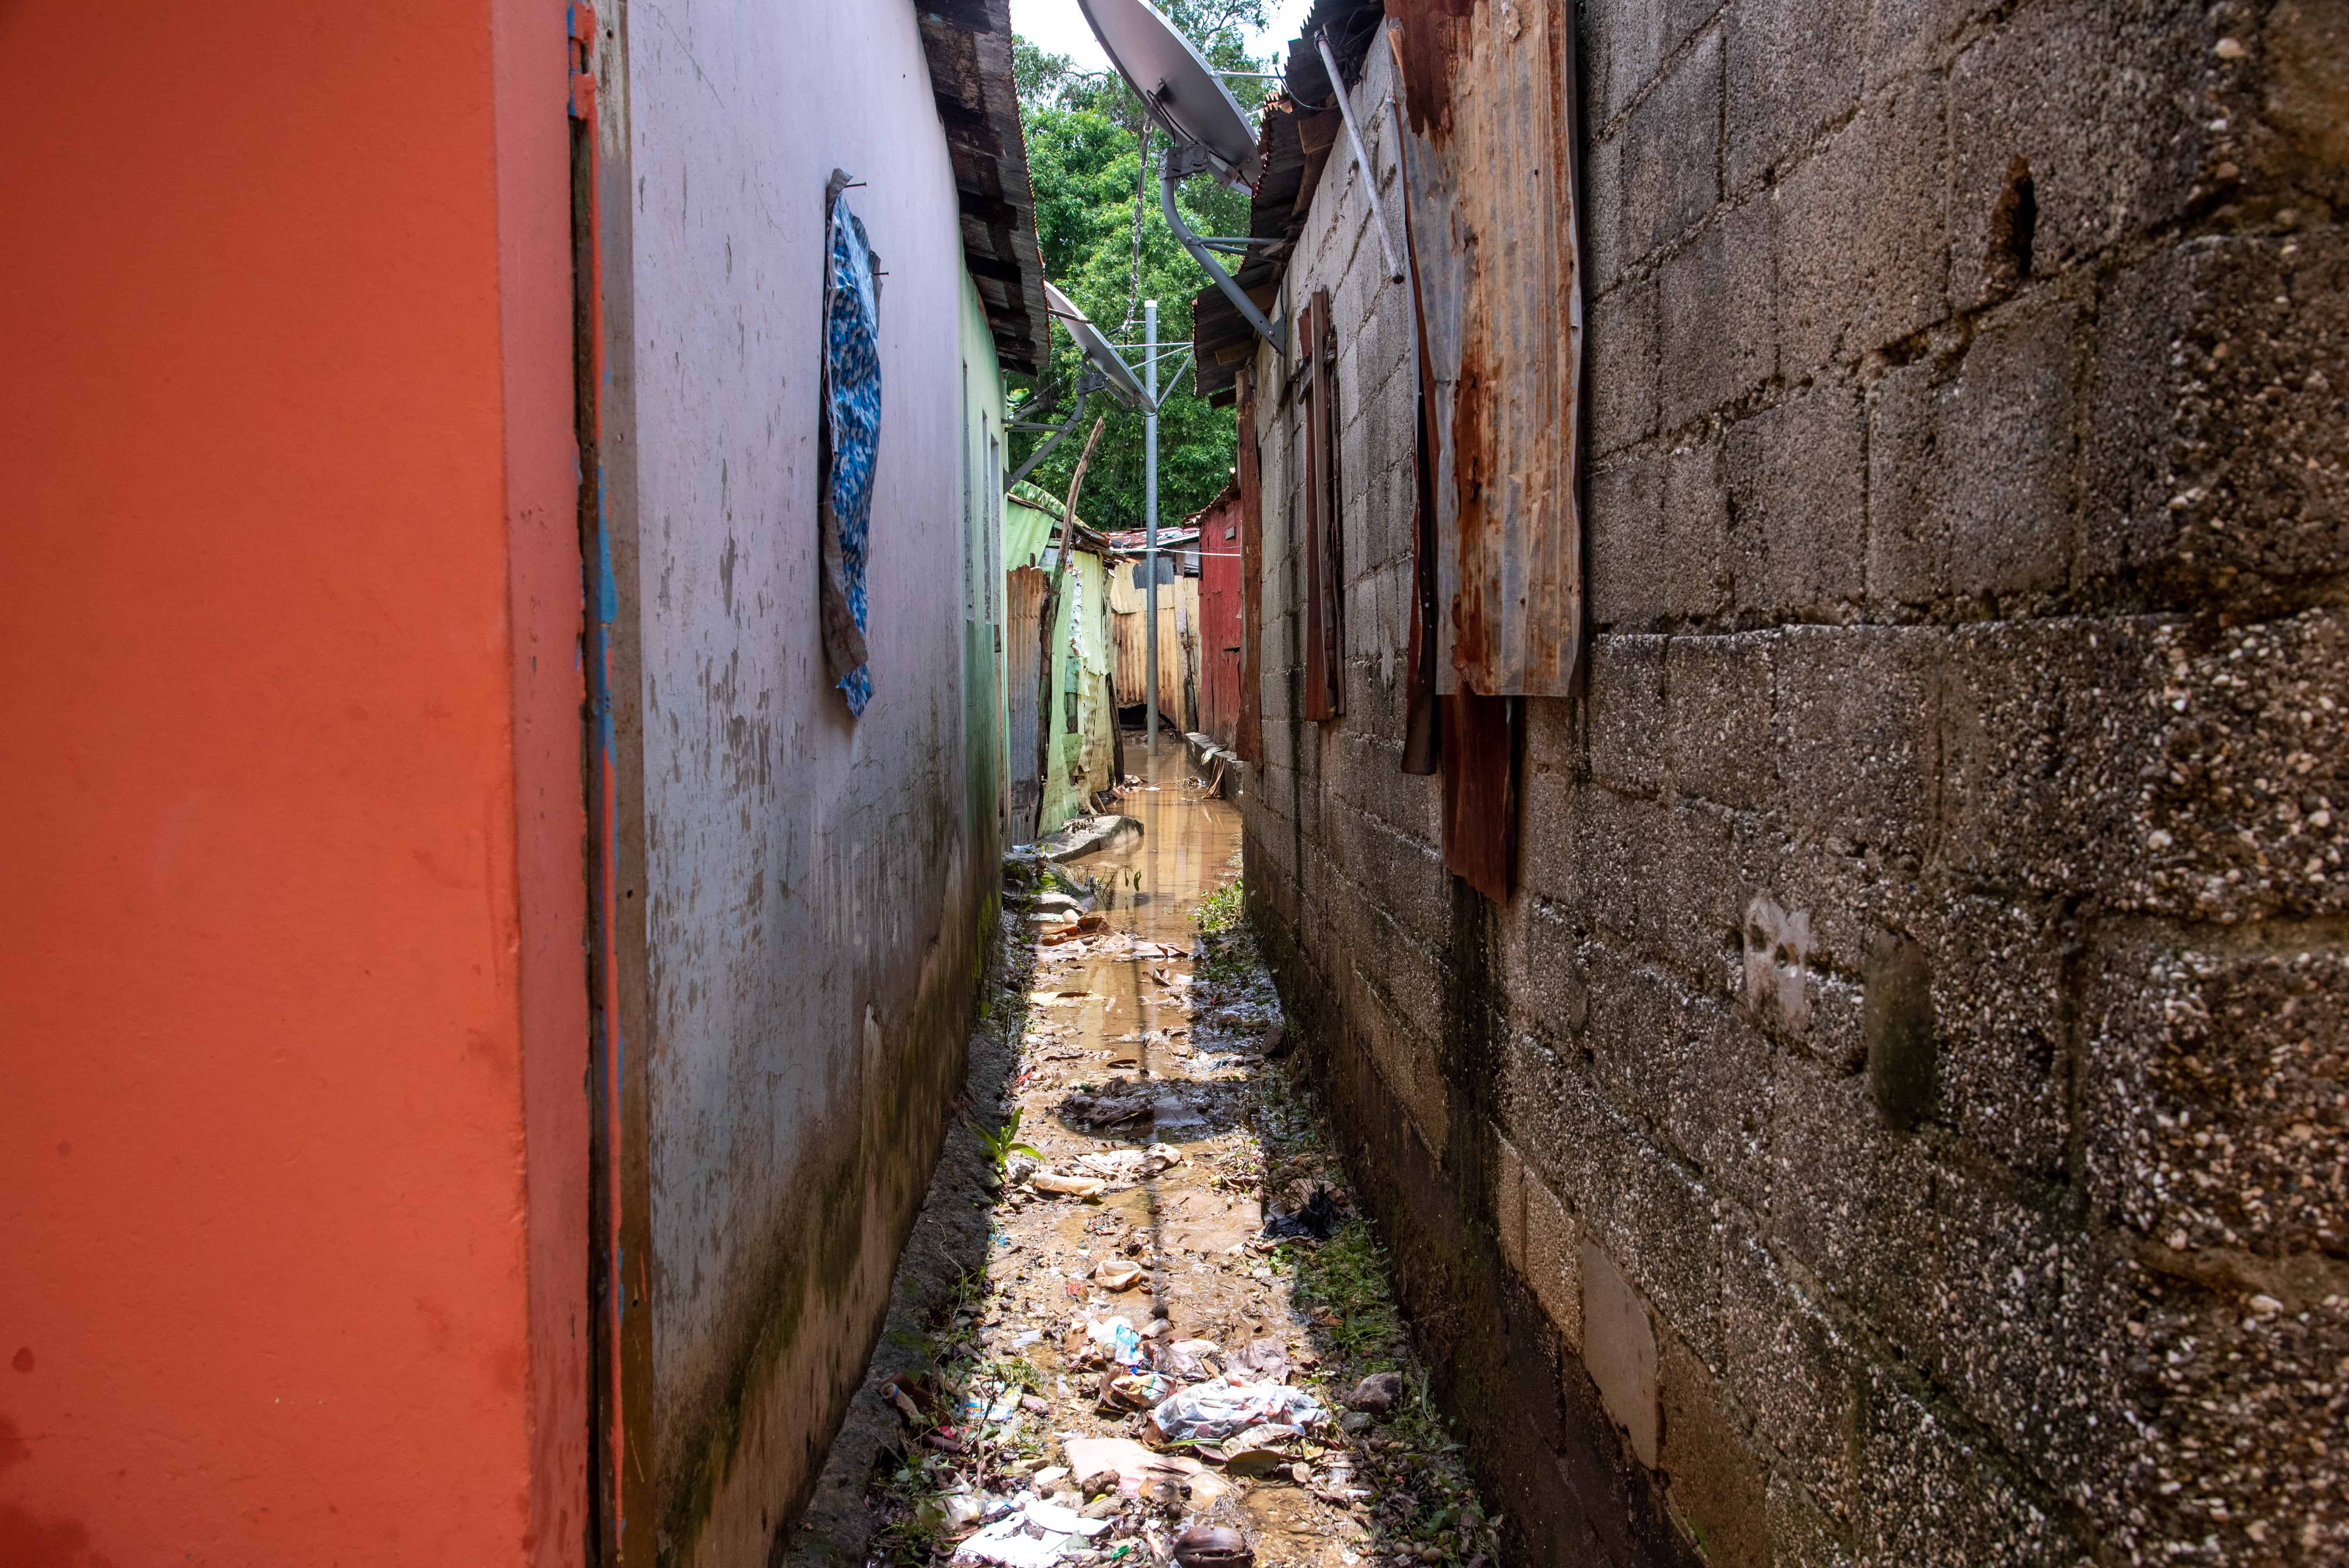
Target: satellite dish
[[1189, 101], [1122, 384]]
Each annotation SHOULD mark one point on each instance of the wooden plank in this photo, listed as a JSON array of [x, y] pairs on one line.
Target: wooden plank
[[1480, 790], [1023, 605]]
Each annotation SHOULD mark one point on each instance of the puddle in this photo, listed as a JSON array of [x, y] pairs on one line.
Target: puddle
[[1137, 1044]]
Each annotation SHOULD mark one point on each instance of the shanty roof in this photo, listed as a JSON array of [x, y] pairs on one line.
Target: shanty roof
[[968, 42], [1300, 125], [1035, 496]]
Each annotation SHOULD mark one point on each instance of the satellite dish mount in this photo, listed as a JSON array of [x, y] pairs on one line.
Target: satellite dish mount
[[1188, 101]]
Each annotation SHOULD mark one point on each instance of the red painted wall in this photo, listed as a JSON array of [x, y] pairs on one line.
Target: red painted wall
[[1219, 620], [295, 1161]]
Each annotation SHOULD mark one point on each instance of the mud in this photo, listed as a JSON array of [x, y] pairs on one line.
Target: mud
[[1149, 1069]]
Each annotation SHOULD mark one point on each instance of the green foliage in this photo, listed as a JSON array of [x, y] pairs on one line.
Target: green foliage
[[1003, 1142], [1219, 912], [1348, 1275], [1085, 140]]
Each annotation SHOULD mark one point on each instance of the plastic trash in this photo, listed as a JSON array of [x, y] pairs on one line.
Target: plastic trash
[[1039, 1535], [1116, 1339], [1317, 1220], [1074, 1186], [1216, 1409], [1258, 1361], [1117, 1275]]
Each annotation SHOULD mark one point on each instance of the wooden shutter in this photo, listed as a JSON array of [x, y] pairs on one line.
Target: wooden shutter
[[1325, 670]]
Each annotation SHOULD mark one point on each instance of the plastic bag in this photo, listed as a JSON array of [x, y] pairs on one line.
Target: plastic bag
[[1214, 1410]]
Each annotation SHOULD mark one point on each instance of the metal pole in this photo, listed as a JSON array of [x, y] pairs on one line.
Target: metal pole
[[1150, 520]]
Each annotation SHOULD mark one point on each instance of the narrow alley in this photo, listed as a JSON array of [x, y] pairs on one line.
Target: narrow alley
[[1731, 951], [1172, 1337]]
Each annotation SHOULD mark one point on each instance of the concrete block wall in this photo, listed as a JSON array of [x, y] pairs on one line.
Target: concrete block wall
[[1900, 1115]]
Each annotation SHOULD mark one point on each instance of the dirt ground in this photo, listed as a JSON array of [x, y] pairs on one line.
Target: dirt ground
[[1134, 1056]]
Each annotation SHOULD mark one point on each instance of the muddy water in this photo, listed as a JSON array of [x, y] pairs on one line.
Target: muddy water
[[1132, 1046]]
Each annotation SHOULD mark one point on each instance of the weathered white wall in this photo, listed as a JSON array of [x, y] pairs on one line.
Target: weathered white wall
[[814, 902]]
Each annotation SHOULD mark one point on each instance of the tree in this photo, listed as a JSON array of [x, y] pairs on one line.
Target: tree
[[1107, 245]]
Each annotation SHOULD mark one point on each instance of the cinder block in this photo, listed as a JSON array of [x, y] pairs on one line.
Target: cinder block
[[1996, 976], [1691, 1067], [2202, 766], [1603, 195], [1858, 746], [2218, 415], [1904, 36], [1862, 257], [1562, 1127], [2216, 1095], [1616, 854], [1667, 1229], [1722, 697], [1797, 477], [1627, 711], [1930, 1497], [1694, 577], [1622, 46], [1718, 336], [1792, 65], [1792, 1369], [2238, 1424], [1969, 467], [1553, 1260], [2099, 99], [1801, 1534], [1629, 558], [2030, 1308], [1541, 967], [1622, 327], [1619, 1349], [1671, 150], [1852, 1202], [1714, 1488]]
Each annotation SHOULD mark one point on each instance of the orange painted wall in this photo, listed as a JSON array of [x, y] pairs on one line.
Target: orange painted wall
[[292, 1183]]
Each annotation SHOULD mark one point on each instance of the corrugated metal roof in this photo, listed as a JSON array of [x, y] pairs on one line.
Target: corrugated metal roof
[[968, 42]]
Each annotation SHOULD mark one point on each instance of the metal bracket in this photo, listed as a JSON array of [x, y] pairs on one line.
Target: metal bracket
[[1191, 158], [1085, 383]]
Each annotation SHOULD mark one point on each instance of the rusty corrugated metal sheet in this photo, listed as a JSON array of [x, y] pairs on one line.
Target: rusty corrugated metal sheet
[[1219, 620], [1489, 127], [1251, 483], [1132, 664]]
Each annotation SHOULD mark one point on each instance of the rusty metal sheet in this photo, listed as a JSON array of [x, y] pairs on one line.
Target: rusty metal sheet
[[1488, 127], [1251, 542], [1131, 665]]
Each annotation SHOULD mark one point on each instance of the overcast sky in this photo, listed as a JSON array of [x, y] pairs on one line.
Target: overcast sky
[[1058, 26]]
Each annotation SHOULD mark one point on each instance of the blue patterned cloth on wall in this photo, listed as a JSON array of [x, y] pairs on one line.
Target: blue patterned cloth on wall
[[852, 396]]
